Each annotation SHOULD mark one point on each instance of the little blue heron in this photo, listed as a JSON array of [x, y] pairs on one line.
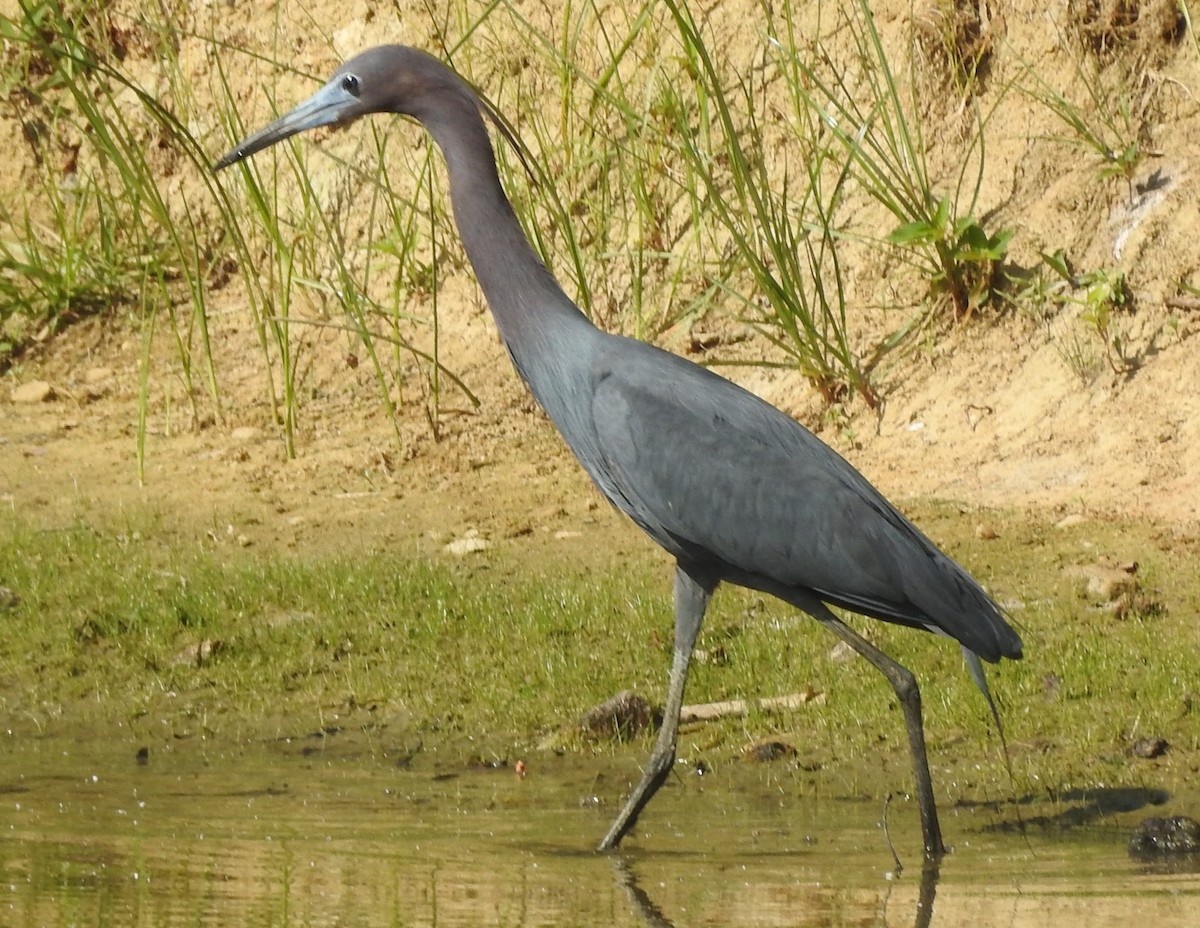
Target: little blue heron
[[731, 487]]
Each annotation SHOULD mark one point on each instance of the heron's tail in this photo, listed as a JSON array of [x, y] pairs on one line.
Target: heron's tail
[[975, 665]]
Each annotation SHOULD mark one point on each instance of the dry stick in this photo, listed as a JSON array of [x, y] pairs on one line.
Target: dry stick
[[709, 711], [1189, 303]]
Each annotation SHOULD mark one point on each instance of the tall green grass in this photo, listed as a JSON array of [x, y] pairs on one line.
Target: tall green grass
[[872, 110], [351, 255], [1103, 124], [105, 233], [109, 212], [670, 186], [783, 231], [605, 208]]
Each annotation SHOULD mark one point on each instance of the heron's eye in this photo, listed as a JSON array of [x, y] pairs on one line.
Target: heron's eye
[[350, 85]]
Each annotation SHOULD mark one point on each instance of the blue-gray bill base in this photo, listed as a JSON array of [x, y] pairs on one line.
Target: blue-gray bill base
[[731, 487]]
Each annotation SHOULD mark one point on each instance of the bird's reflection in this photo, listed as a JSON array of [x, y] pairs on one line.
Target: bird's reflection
[[930, 874], [650, 913], [626, 878]]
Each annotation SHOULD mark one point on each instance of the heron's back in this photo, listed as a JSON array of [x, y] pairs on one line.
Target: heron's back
[[723, 479]]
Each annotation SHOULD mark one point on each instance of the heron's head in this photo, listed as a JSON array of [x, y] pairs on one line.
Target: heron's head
[[386, 79]]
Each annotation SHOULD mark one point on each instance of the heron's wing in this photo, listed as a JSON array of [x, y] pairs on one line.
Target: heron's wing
[[708, 468]]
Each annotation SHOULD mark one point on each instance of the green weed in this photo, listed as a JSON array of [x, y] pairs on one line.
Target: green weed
[[72, 245], [973, 255], [785, 237], [958, 35], [605, 208], [1104, 125], [861, 106], [103, 233], [108, 212], [1098, 296]]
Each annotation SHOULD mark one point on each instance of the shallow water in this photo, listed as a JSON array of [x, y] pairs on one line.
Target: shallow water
[[282, 834]]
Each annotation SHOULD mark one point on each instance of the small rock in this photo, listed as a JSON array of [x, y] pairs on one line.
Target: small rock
[[1073, 519], [198, 654], [97, 375], [1161, 836], [36, 391], [985, 531], [702, 341], [468, 545], [762, 752], [619, 718], [841, 652], [245, 433], [9, 600], [1106, 581], [1149, 748], [717, 656], [564, 534], [94, 391], [1110, 586]]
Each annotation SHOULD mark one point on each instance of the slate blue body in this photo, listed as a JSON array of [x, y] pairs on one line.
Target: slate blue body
[[731, 487]]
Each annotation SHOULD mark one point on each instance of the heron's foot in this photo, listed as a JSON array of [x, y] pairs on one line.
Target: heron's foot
[[656, 772]]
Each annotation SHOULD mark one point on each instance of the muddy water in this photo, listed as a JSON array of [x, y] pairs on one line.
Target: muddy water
[[289, 834]]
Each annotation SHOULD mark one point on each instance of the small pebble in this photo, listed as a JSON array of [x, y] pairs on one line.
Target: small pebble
[[762, 752], [985, 531], [461, 547], [620, 717], [1149, 748], [36, 391], [841, 652], [97, 375]]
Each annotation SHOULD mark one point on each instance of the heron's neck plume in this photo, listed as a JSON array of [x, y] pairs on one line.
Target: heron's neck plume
[[524, 297]]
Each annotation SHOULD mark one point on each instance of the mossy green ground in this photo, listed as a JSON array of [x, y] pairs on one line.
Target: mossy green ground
[[126, 630]]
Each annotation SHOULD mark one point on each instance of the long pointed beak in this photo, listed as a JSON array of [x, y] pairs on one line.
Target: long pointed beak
[[331, 105]]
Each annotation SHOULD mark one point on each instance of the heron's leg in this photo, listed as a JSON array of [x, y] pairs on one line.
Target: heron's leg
[[905, 685], [691, 599]]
